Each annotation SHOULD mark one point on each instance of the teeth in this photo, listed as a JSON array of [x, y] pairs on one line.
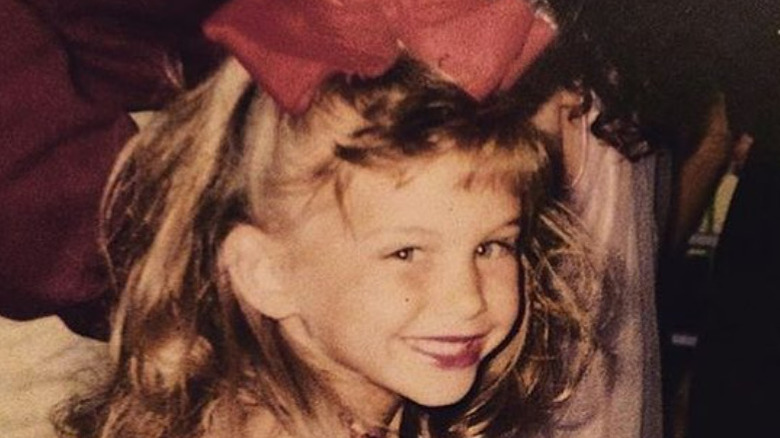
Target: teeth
[[443, 348]]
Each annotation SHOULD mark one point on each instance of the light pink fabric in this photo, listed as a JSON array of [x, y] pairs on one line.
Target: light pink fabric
[[614, 198]]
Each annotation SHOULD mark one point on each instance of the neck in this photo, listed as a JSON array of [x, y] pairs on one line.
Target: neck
[[367, 409], [360, 404]]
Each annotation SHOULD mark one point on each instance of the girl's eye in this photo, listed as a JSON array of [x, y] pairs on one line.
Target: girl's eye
[[404, 254], [496, 248]]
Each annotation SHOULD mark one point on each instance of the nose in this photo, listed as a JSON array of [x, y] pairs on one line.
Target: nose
[[459, 294]]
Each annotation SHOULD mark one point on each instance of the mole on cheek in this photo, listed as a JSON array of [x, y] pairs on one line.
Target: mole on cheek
[[413, 285]]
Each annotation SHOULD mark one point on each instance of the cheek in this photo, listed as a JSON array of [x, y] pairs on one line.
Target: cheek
[[390, 296], [503, 293], [322, 289], [411, 282], [342, 301]]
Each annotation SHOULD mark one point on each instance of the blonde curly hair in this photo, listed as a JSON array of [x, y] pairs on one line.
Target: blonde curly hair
[[183, 353]]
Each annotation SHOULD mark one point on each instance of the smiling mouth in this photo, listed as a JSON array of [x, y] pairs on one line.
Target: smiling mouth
[[449, 352]]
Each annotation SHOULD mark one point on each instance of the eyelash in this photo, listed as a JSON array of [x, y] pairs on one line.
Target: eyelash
[[505, 247], [483, 250], [404, 254]]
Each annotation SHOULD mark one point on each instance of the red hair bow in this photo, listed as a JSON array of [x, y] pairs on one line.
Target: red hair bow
[[291, 46]]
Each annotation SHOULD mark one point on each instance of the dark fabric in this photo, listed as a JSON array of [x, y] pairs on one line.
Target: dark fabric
[[736, 376], [69, 72]]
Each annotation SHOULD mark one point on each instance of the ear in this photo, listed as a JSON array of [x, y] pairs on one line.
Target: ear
[[254, 263]]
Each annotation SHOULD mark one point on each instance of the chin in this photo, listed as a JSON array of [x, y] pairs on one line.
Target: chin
[[442, 393]]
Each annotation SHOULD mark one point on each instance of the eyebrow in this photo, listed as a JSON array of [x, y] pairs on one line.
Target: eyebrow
[[514, 222], [398, 230]]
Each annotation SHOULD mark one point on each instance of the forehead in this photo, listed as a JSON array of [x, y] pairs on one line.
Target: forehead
[[446, 193], [430, 185], [447, 170]]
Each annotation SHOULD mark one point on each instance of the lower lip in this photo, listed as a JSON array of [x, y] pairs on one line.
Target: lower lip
[[467, 358]]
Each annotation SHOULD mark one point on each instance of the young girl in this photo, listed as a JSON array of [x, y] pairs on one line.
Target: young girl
[[381, 260]]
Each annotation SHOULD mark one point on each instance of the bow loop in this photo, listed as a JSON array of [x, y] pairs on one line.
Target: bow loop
[[291, 46], [474, 48]]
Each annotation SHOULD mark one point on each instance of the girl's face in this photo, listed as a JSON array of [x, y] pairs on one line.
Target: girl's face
[[403, 289]]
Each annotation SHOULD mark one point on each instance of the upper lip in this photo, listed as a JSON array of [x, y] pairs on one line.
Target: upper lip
[[449, 351], [447, 338], [445, 345]]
